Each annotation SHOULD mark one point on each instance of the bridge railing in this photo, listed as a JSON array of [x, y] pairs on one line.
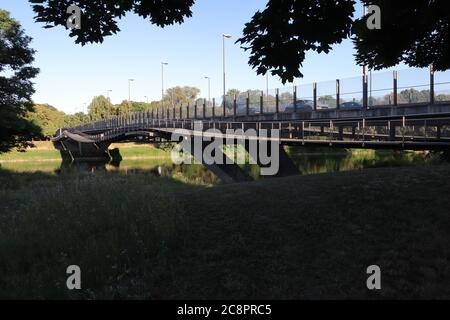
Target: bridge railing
[[412, 86], [400, 129]]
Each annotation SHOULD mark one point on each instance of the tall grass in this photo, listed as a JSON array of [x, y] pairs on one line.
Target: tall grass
[[113, 227]]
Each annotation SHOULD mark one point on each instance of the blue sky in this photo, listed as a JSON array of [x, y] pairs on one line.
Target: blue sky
[[71, 74]]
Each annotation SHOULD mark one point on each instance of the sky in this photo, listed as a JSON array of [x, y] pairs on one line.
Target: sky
[[71, 74]]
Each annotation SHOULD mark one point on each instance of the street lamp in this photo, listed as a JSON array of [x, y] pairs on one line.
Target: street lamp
[[129, 89], [162, 81], [209, 88], [107, 94], [224, 37]]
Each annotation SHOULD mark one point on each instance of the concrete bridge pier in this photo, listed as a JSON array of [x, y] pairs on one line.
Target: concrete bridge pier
[[286, 168], [227, 171], [392, 133], [341, 133]]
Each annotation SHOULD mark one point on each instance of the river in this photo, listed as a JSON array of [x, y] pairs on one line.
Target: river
[[308, 161]]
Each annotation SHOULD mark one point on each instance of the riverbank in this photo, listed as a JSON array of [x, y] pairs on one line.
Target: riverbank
[[138, 236], [44, 151]]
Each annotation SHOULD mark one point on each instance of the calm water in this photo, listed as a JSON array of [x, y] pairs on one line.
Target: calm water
[[308, 162]]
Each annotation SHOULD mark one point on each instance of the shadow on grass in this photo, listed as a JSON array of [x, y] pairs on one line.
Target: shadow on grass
[[137, 236]]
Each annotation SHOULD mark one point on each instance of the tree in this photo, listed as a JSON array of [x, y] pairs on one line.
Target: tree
[[100, 108], [181, 95], [279, 37], [414, 32], [327, 101], [124, 108], [230, 98], [99, 17], [47, 118], [413, 96], [233, 92], [142, 106], [16, 87], [72, 120]]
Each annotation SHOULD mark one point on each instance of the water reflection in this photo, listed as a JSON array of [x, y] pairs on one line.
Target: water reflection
[[326, 160], [308, 161]]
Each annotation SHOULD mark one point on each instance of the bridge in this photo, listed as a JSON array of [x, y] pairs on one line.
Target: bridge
[[411, 125]]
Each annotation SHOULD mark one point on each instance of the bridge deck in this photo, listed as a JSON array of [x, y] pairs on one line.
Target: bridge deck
[[418, 127]]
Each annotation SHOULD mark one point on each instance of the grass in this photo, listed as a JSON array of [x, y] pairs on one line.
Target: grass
[[303, 237], [134, 151], [44, 151]]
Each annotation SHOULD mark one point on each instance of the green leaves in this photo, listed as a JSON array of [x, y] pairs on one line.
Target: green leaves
[[16, 87], [100, 108], [99, 17], [279, 37], [415, 32]]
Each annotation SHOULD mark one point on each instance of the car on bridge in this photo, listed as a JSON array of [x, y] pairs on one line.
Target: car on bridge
[[302, 106], [351, 105], [242, 110]]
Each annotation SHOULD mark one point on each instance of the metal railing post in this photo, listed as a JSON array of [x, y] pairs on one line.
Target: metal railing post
[[195, 110], [338, 94], [247, 104], [204, 109], [261, 103], [295, 99], [224, 106], [365, 92], [315, 96], [431, 84], [277, 101], [395, 76]]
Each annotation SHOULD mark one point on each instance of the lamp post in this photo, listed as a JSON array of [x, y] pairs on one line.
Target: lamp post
[[209, 88], [129, 89], [107, 95], [162, 82], [365, 68], [224, 37]]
